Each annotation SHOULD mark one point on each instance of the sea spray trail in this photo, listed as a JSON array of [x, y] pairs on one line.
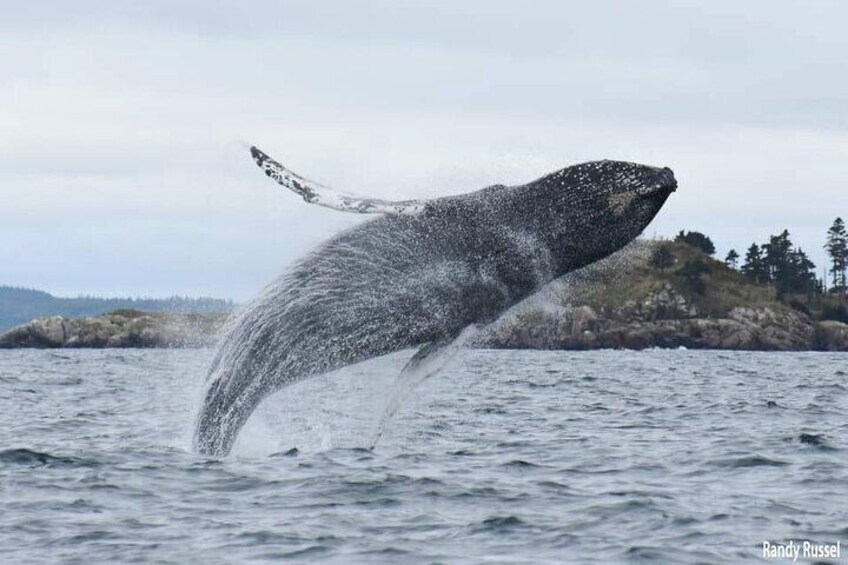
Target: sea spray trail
[[417, 276]]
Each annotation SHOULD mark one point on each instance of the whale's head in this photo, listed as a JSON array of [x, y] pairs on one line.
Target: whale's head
[[593, 209]]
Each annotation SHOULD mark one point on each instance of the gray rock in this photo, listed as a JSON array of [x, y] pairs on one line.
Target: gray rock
[[653, 324], [831, 336], [122, 328]]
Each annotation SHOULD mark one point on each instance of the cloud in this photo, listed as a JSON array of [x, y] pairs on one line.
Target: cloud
[[123, 167]]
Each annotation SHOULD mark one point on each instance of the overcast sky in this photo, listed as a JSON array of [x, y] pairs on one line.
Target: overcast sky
[[124, 128]]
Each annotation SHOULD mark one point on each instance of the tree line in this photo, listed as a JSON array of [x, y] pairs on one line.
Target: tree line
[[19, 305], [780, 263]]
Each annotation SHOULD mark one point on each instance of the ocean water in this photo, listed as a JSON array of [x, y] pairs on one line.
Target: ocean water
[[504, 457]]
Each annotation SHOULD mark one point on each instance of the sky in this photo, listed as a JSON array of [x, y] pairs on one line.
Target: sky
[[124, 127]]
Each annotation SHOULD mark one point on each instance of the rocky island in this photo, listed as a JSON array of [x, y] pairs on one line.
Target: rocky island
[[120, 328], [629, 300]]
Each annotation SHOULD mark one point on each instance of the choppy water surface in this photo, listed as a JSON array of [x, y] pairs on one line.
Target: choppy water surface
[[670, 456]]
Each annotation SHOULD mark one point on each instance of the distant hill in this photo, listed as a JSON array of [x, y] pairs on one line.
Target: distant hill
[[20, 305]]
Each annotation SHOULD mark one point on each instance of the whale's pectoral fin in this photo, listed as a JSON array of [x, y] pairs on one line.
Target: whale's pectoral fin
[[321, 195], [426, 362]]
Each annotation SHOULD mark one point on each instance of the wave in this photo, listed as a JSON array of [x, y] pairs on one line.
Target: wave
[[32, 458]]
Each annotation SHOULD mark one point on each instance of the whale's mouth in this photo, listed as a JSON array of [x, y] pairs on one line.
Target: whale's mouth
[[663, 184], [651, 194], [666, 180]]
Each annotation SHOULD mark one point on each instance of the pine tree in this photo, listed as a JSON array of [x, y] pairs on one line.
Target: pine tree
[[696, 239], [777, 259], [780, 263], [732, 259], [837, 249], [754, 267], [801, 275], [692, 271]]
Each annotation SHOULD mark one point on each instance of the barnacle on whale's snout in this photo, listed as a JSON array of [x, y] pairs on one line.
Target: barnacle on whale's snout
[[619, 202]]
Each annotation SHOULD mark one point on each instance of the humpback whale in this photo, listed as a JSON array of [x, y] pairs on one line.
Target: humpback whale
[[423, 273]]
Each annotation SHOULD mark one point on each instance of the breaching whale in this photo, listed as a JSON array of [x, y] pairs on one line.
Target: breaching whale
[[418, 275]]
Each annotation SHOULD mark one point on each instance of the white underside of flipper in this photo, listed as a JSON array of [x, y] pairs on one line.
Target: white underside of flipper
[[321, 195], [426, 362]]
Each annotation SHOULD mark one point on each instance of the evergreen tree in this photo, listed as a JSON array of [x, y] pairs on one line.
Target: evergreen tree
[[696, 239], [754, 267], [801, 275], [788, 268], [780, 263], [837, 249], [776, 259], [691, 272], [732, 259]]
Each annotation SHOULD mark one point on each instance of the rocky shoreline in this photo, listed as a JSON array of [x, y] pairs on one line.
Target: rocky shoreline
[[657, 323], [120, 329], [621, 302], [624, 302]]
